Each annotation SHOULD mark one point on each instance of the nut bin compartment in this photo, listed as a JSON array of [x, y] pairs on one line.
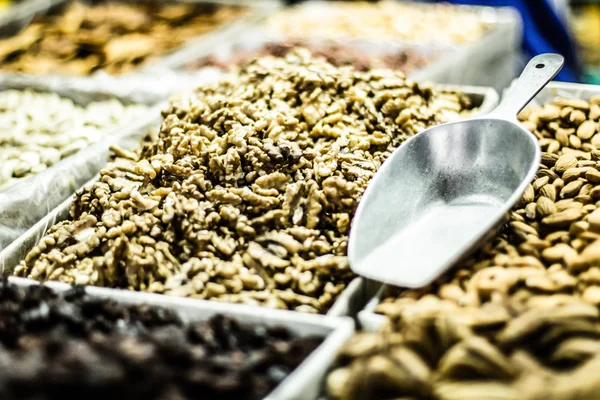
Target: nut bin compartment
[[489, 61], [519, 317], [305, 381], [349, 302], [247, 200], [78, 120], [66, 37]]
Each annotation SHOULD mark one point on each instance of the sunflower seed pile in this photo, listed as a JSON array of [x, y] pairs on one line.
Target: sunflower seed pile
[[384, 20], [519, 318], [248, 192], [115, 37], [39, 129], [74, 346]]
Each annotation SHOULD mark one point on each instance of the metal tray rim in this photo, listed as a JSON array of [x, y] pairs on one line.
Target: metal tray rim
[[367, 318], [576, 89]]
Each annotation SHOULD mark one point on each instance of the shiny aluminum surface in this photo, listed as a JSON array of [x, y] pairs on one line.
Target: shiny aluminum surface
[[446, 189]]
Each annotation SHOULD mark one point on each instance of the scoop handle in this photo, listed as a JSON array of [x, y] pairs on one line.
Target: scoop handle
[[537, 73]]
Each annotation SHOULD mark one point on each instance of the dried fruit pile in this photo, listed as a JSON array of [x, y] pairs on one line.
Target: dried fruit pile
[[39, 129], [71, 345], [335, 54], [518, 320], [414, 23], [248, 192], [109, 36]]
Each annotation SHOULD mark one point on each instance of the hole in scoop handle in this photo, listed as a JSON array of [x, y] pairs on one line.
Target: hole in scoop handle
[[537, 73]]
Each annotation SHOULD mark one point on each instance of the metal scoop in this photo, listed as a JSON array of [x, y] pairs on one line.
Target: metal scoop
[[446, 189]]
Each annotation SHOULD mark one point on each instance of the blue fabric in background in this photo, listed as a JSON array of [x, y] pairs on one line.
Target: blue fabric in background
[[544, 32]]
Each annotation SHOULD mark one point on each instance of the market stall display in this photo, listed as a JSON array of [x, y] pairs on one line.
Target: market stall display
[[210, 228]]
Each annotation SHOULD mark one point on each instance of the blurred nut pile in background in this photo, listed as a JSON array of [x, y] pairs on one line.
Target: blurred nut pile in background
[[248, 192], [337, 55], [72, 345], [39, 129], [109, 36], [519, 320], [434, 24]]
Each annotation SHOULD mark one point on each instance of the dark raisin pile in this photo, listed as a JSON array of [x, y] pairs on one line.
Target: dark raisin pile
[[72, 346]]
